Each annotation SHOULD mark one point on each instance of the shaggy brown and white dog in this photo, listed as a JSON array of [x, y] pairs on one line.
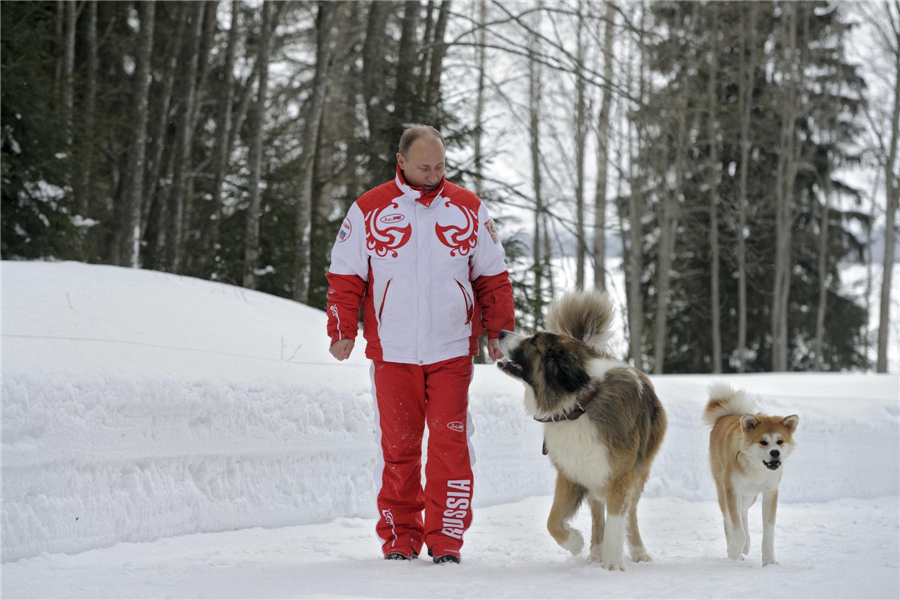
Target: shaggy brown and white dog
[[603, 423], [747, 451]]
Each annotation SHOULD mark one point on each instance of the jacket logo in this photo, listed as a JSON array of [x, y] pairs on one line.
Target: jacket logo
[[456, 426], [394, 218], [459, 239], [492, 229], [382, 240], [346, 230]]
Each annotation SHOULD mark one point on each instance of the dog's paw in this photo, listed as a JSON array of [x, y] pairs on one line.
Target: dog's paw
[[596, 553], [613, 565], [640, 555], [574, 543], [769, 560], [736, 546]]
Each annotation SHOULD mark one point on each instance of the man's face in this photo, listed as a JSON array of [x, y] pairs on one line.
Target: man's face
[[424, 166]]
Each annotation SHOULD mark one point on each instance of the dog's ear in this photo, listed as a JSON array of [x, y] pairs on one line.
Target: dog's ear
[[565, 369], [749, 423], [790, 423]]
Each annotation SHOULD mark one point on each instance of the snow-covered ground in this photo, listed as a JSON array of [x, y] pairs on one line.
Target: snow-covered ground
[[169, 437]]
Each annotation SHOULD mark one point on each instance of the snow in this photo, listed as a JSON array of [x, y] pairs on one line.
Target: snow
[[164, 436]]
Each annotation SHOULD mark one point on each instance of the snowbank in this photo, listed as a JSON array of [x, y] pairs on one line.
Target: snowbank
[[138, 405]]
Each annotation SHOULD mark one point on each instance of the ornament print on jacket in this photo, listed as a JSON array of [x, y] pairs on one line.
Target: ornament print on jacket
[[420, 264]]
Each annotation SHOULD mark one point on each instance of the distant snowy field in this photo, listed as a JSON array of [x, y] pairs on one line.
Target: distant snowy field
[[140, 407]]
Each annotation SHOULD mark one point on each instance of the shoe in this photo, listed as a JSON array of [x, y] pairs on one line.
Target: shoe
[[398, 556], [446, 558]]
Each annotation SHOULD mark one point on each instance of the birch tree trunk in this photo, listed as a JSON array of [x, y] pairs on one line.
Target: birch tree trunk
[[251, 237], [603, 151], [131, 248], [324, 22]]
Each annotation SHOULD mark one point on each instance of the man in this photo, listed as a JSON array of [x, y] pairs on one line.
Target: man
[[422, 256]]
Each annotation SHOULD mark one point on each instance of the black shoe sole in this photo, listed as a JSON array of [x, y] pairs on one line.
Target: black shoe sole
[[398, 556], [446, 558]]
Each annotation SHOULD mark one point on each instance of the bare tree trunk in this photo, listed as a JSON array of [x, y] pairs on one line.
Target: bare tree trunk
[[131, 247], [534, 112], [183, 142], [210, 24], [251, 238], [668, 219], [90, 103], [158, 133], [426, 51], [819, 343], [548, 255], [69, 89], [580, 135], [243, 107], [405, 91], [60, 28], [714, 198], [479, 102], [433, 93], [373, 87], [603, 152], [223, 130], [635, 232], [745, 98], [869, 276], [787, 169], [892, 196], [324, 22], [69, 73]]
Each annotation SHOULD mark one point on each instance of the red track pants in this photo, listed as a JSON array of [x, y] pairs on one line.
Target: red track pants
[[406, 397]]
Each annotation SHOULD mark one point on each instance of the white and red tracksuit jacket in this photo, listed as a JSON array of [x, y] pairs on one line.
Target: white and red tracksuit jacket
[[423, 266]]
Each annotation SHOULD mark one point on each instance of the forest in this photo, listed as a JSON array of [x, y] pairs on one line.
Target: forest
[[728, 162]]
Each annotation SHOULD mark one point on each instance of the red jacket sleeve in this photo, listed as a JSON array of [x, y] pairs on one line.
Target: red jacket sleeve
[[345, 295], [494, 293]]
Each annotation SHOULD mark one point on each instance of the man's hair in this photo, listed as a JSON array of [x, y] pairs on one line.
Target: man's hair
[[415, 132]]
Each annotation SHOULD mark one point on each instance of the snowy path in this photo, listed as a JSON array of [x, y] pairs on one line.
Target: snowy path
[[840, 549]]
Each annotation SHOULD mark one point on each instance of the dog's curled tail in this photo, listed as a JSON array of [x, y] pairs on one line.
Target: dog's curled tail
[[723, 401], [583, 315]]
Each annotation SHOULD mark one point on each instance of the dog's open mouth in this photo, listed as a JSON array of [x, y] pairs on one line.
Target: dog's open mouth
[[772, 464], [511, 368]]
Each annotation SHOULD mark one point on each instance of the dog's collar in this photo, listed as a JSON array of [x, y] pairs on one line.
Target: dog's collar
[[579, 409]]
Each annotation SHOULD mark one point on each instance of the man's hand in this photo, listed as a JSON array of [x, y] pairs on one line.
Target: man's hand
[[341, 350], [494, 352]]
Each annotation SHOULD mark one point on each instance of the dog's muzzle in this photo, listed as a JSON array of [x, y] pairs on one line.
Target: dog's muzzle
[[773, 464], [511, 368]]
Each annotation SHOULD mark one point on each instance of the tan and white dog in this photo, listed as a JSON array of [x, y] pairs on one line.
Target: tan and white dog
[[603, 423], [747, 451]]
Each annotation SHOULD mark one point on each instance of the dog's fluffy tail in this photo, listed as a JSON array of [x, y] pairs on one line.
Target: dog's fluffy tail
[[583, 315], [723, 401]]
